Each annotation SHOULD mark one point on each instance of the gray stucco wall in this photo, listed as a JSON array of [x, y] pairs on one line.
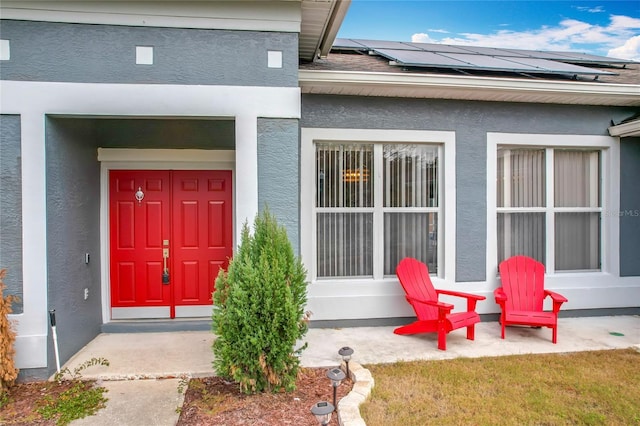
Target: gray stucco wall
[[49, 51], [630, 207], [279, 173], [73, 207], [471, 121], [11, 206], [73, 229]]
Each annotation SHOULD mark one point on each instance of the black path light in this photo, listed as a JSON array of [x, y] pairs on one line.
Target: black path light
[[322, 410], [337, 376], [346, 352]]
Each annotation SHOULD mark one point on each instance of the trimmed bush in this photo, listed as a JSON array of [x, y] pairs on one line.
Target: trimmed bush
[[258, 311], [8, 370]]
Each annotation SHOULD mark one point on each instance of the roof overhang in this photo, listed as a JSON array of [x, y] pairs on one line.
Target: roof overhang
[[321, 20], [625, 130], [496, 89], [316, 21]]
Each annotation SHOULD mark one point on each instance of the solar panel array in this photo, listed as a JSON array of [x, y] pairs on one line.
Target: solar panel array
[[433, 55]]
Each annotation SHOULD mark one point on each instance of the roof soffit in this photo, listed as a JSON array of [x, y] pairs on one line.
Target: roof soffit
[[321, 20]]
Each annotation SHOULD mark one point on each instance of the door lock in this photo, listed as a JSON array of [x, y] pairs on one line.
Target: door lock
[[165, 271]]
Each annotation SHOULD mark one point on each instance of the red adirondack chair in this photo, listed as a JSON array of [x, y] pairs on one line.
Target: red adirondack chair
[[433, 316], [522, 294]]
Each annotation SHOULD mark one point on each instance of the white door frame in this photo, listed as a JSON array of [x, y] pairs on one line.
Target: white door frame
[[152, 159]]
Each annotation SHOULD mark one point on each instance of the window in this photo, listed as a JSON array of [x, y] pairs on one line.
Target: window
[[549, 203], [375, 203]]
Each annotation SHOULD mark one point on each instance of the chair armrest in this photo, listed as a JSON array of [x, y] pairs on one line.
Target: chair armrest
[[501, 298], [558, 299], [555, 296], [472, 299], [460, 294], [440, 305]]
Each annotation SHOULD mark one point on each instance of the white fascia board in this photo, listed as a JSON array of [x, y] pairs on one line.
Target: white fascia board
[[282, 16], [629, 129], [333, 26], [470, 87]]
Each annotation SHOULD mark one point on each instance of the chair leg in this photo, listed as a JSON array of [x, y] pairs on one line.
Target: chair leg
[[442, 340], [554, 338], [502, 326], [471, 332]]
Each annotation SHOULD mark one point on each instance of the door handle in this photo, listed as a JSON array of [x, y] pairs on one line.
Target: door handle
[[165, 270]]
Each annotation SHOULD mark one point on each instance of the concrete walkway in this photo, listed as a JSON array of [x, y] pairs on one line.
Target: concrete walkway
[[161, 359]]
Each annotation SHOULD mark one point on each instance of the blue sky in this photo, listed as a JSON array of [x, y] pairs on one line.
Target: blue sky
[[607, 28]]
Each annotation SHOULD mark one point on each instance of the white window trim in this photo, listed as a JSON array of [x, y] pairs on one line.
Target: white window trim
[[610, 180], [309, 136]]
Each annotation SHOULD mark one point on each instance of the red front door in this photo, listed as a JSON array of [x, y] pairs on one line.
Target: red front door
[[170, 233]]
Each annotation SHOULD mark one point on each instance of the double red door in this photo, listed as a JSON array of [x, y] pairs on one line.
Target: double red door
[[170, 233]]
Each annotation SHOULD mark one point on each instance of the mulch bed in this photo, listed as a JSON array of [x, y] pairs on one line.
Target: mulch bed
[[208, 401], [212, 401], [24, 398]]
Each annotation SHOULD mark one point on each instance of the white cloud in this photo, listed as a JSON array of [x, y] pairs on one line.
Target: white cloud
[[423, 38], [433, 30], [629, 50], [597, 9], [619, 22], [568, 34]]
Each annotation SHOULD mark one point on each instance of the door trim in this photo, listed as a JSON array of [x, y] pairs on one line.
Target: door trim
[[152, 159], [141, 312], [161, 312]]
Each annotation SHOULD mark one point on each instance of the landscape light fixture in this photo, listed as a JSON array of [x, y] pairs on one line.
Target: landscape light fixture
[[337, 376], [322, 410], [346, 352]]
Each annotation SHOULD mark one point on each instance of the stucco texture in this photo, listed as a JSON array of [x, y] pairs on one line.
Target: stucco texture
[[629, 207], [471, 121], [82, 53], [279, 173], [11, 206]]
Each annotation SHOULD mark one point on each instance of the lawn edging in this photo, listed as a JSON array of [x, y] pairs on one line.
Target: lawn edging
[[349, 407]]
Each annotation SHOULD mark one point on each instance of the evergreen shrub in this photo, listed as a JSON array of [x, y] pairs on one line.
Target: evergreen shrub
[[258, 314], [8, 370]]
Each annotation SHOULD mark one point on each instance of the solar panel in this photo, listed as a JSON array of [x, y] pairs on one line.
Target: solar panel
[[492, 63], [573, 57], [586, 58], [381, 44], [559, 67], [347, 43], [434, 47], [490, 51], [434, 55], [540, 54], [420, 58]]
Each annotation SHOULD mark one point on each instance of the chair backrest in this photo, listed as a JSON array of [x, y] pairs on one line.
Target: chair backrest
[[414, 277], [523, 282]]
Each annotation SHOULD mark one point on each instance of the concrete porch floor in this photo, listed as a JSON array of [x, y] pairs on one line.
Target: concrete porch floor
[[162, 358]]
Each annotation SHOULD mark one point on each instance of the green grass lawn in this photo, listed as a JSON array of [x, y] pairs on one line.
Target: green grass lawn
[[584, 388]]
